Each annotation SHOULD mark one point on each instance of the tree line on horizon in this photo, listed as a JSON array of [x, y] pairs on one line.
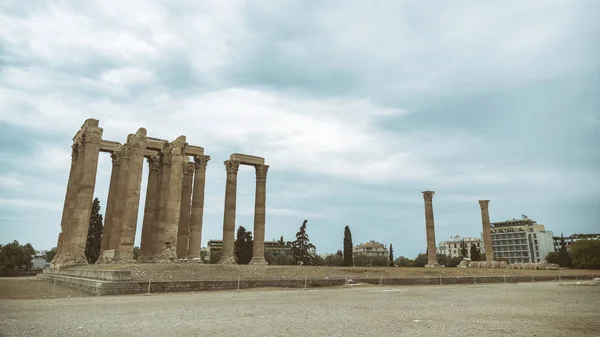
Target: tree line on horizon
[[582, 254]]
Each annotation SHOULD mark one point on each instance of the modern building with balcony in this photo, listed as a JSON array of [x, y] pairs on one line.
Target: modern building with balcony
[[521, 240], [573, 238], [371, 249], [453, 246]]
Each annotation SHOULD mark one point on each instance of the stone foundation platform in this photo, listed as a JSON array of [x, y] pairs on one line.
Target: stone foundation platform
[[118, 282]]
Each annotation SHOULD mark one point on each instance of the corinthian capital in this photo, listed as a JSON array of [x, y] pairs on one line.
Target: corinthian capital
[[428, 195], [154, 163], [232, 166], [261, 171], [484, 203], [116, 158], [92, 135], [201, 162], [188, 169]]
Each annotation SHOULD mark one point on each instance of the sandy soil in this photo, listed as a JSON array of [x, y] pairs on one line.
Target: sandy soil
[[31, 288], [526, 309]]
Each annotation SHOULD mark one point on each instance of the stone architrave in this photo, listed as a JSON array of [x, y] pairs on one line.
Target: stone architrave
[[430, 228], [197, 207], [258, 248], [74, 251], [232, 167], [69, 201], [183, 231], [487, 230], [160, 215], [150, 208], [111, 202], [168, 245], [137, 146]]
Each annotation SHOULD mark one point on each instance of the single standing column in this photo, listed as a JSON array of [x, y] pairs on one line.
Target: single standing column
[[69, 200], [232, 167], [111, 202], [173, 202], [197, 207], [431, 247], [120, 194], [183, 232], [158, 242], [80, 220], [258, 248], [137, 146], [487, 230], [150, 208]]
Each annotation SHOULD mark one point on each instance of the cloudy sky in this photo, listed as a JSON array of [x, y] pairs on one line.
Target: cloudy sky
[[357, 106]]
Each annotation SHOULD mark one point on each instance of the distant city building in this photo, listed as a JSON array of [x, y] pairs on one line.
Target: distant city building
[[573, 238], [371, 249], [38, 261], [452, 247], [521, 240], [271, 247]]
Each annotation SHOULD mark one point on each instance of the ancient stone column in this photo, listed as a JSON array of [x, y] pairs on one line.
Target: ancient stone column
[[183, 231], [131, 202], [197, 212], [150, 208], [69, 201], [232, 167], [160, 215], [120, 194], [258, 248], [111, 202], [168, 249], [430, 228], [80, 219], [487, 230]]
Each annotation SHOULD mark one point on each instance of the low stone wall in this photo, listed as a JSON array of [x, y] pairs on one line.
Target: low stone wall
[[103, 287], [104, 275]]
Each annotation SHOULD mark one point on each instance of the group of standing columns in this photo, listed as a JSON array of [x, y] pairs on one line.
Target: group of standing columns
[[174, 205], [432, 261], [232, 167]]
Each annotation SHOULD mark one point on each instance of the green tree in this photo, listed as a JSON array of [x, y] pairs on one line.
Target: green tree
[[215, 256], [348, 258], [94, 236], [16, 256], [564, 259], [136, 252], [243, 246], [586, 254], [463, 249], [317, 261], [391, 257], [552, 257], [420, 260], [442, 259], [334, 260], [50, 254], [475, 254], [301, 246], [453, 261], [402, 261]]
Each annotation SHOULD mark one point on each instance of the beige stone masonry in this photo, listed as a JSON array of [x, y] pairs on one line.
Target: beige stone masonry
[[197, 212], [487, 230], [183, 231], [430, 228]]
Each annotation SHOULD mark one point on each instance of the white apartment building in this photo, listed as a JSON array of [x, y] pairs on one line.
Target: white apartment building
[[371, 248], [452, 247], [573, 238], [521, 240]]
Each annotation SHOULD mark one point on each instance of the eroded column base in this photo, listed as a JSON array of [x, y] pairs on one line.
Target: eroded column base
[[432, 265], [259, 261], [69, 261], [227, 260]]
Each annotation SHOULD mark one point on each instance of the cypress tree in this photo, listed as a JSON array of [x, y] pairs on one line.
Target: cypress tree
[[348, 258], [94, 236]]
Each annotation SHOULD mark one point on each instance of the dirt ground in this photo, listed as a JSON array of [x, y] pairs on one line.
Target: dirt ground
[[195, 271], [30, 288], [525, 309]]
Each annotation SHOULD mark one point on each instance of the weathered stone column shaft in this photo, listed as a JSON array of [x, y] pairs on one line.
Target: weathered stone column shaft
[[258, 248], [430, 228], [197, 212], [113, 192], [487, 230], [183, 231], [232, 167], [161, 203], [150, 208]]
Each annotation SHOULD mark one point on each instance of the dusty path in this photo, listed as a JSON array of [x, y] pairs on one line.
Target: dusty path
[[31, 288], [526, 309]]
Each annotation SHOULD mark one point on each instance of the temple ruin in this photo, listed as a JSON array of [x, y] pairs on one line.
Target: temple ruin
[[487, 230], [174, 205]]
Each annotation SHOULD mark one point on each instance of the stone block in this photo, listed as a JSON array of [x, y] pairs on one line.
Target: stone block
[[247, 159]]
